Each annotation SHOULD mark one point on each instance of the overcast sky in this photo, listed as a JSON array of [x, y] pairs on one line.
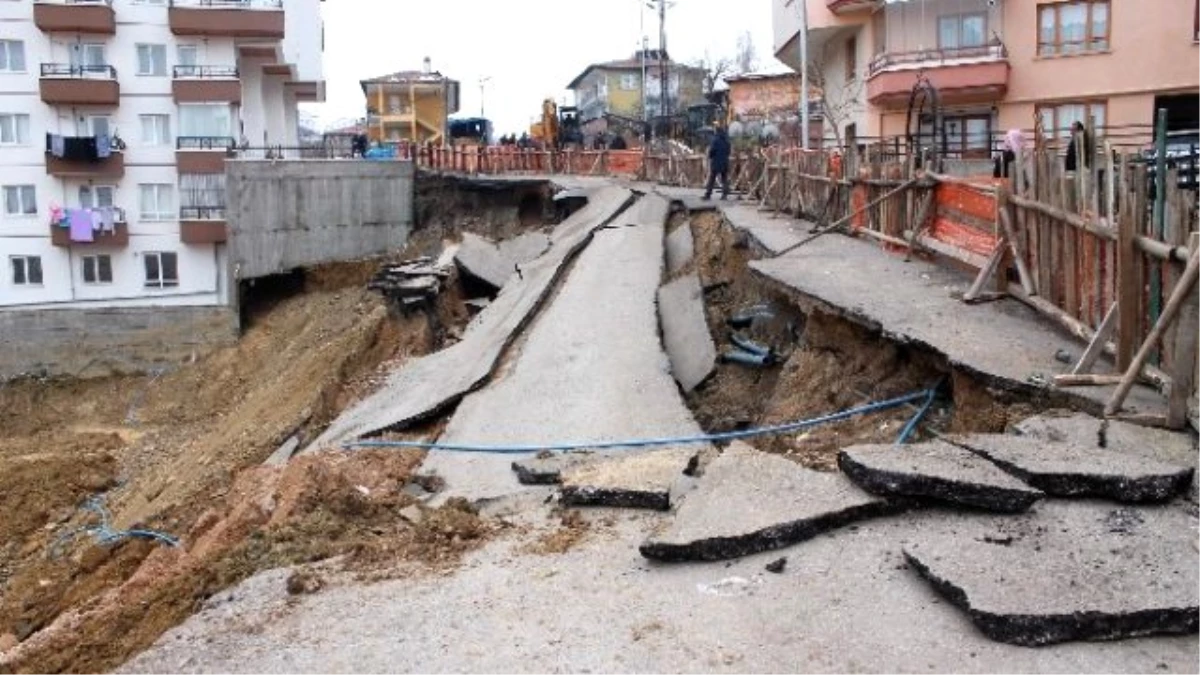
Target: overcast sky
[[530, 49]]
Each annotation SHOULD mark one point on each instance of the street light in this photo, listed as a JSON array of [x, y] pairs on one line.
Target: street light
[[804, 121], [482, 81]]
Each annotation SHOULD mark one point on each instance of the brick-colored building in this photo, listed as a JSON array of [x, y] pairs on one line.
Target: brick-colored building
[[771, 98]]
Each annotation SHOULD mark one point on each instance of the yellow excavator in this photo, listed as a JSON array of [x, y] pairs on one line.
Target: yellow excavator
[[557, 126]]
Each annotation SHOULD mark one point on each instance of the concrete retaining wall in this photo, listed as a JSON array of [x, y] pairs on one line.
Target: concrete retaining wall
[[289, 214], [97, 342]]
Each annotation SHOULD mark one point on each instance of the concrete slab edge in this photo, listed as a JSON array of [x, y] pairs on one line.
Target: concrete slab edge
[[1144, 490], [892, 484], [766, 539], [580, 495], [1033, 630]]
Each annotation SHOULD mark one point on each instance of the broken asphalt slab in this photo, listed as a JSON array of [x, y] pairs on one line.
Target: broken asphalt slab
[[938, 471], [590, 369], [1070, 571], [1065, 469], [1004, 343], [681, 247], [637, 479], [494, 263], [1090, 432], [547, 468], [423, 387], [749, 501], [685, 333]]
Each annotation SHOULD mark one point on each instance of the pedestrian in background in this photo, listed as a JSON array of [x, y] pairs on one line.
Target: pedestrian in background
[[718, 163]]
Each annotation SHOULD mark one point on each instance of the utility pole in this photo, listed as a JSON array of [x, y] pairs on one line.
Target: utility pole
[[802, 5], [482, 81], [664, 68]]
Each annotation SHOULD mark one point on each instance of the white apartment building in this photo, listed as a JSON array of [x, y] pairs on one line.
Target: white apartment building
[[125, 110]]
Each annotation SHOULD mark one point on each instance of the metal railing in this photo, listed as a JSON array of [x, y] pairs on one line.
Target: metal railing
[[222, 143], [993, 50], [202, 213], [89, 72], [229, 4], [205, 72]]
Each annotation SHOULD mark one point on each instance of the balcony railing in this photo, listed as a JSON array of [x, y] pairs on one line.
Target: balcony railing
[[202, 213], [66, 70], [205, 72], [994, 50], [228, 4], [222, 143]]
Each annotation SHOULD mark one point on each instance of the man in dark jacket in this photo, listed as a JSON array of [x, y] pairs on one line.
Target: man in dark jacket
[[718, 163], [1079, 157]]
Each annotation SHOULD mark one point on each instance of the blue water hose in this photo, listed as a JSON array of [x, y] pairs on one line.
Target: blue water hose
[[911, 426], [651, 442]]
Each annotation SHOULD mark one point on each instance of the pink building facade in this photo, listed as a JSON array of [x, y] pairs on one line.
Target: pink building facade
[[1000, 64]]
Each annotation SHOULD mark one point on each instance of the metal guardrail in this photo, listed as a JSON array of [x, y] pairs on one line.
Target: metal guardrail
[[228, 4], [993, 49], [223, 143], [202, 212], [81, 72], [205, 72]]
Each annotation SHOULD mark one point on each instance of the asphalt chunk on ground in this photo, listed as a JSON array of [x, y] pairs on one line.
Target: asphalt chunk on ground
[[749, 501], [938, 471], [1065, 469], [1070, 571], [641, 479]]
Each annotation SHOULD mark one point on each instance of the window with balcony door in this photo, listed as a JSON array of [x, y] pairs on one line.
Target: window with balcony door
[[1073, 28], [851, 59], [962, 34], [87, 55], [97, 196], [205, 120]]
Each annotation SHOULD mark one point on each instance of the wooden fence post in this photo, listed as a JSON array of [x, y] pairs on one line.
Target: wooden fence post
[[1129, 288], [1184, 356]]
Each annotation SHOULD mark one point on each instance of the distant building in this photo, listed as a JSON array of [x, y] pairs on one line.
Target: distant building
[[615, 87], [772, 99], [410, 105]]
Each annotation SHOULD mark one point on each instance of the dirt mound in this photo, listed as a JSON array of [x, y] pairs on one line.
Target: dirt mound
[[347, 505]]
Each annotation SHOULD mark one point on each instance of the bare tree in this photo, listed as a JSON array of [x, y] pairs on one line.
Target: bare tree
[[841, 100], [746, 59], [715, 69]]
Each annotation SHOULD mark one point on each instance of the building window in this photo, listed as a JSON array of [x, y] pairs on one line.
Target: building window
[[97, 196], [12, 56], [88, 54], [152, 60], [189, 55], [851, 59], [1196, 22], [962, 31], [1073, 27], [26, 270], [205, 120], [202, 196], [99, 125], [157, 202], [1057, 118], [162, 269], [14, 129], [156, 130], [629, 82], [20, 200], [97, 269]]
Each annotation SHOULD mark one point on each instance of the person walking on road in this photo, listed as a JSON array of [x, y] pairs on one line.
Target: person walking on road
[[718, 163]]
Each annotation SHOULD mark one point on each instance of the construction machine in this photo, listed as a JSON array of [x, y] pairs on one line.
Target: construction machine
[[557, 127]]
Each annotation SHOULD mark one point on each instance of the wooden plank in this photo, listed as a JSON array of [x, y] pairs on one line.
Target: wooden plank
[[1174, 305], [1140, 211], [1096, 347], [1019, 255], [1128, 288], [1045, 260], [986, 272], [1086, 380], [1184, 357]]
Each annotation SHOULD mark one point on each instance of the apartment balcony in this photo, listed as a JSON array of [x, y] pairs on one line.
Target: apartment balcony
[[961, 75], [202, 154], [93, 17], [65, 84], [259, 19], [112, 166], [118, 238], [847, 6], [206, 84], [203, 225]]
